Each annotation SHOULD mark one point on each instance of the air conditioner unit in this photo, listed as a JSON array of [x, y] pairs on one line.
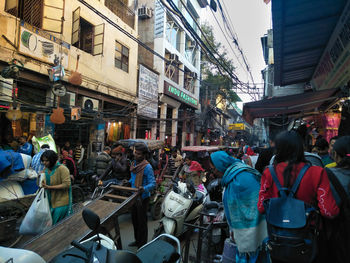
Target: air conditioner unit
[[6, 89], [144, 12], [89, 104], [174, 57], [68, 99]]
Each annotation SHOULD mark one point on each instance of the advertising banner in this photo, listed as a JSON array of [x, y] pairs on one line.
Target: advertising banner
[[148, 93], [41, 45]]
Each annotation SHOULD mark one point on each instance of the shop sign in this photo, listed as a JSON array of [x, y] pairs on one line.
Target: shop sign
[[179, 95], [148, 93], [236, 126], [159, 16], [40, 44], [332, 70]]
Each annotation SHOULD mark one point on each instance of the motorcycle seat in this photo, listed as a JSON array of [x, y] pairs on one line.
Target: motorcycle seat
[[158, 251], [211, 205], [198, 197]]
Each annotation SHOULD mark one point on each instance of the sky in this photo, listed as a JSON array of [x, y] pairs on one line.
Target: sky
[[250, 19]]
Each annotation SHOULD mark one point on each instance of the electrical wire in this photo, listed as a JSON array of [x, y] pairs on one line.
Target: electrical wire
[[204, 47]]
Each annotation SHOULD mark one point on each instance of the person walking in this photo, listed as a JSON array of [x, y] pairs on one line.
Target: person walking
[[36, 164], [118, 168], [314, 188], [103, 160], [338, 243], [142, 177], [247, 226], [58, 183]]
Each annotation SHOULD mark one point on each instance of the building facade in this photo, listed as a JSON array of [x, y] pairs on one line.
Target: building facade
[[177, 60], [91, 37]]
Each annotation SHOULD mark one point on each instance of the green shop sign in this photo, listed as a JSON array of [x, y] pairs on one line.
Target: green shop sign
[[179, 95]]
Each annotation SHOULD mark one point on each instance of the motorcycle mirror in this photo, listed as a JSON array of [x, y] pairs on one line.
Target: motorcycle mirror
[[91, 219]]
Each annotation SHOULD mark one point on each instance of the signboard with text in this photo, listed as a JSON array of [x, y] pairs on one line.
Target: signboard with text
[[180, 95], [39, 44], [148, 93], [332, 70], [236, 126]]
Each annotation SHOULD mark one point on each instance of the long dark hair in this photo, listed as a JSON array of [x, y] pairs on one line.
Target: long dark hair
[[342, 148], [289, 148], [51, 156]]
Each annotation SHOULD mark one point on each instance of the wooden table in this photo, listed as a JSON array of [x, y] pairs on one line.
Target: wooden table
[[59, 237]]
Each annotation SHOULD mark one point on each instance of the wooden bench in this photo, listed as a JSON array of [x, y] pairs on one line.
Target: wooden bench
[[59, 237]]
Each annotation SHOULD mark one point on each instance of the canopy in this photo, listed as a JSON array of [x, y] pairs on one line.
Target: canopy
[[301, 31], [200, 149], [286, 105]]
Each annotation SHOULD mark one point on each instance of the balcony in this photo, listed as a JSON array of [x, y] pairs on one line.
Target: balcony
[[120, 9]]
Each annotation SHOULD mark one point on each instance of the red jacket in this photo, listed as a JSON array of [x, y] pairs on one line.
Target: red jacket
[[314, 188]]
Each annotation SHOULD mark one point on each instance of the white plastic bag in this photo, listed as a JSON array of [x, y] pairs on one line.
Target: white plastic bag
[[38, 217]]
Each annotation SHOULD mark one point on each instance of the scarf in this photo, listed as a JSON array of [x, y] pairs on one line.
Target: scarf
[[242, 185], [138, 170]]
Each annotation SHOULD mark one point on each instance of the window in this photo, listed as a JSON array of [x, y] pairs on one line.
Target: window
[[45, 14], [189, 80], [173, 33], [121, 58], [172, 67], [120, 8], [86, 36]]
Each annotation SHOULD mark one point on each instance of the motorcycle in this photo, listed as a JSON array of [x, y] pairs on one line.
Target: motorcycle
[[101, 249], [182, 204], [215, 220]]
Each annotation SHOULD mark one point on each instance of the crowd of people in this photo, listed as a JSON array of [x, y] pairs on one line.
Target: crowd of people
[[248, 177], [248, 187]]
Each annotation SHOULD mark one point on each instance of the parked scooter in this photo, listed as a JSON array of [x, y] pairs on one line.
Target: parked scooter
[[182, 204], [101, 249]]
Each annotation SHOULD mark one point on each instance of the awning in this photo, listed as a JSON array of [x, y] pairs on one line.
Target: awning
[[286, 105], [301, 31]]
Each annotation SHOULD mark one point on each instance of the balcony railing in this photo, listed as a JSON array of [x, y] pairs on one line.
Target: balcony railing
[[122, 11]]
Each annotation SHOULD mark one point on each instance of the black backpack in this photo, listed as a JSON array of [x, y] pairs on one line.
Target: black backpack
[[291, 223], [339, 227]]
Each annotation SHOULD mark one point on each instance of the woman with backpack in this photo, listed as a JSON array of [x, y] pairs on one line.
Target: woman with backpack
[[313, 189], [339, 229]]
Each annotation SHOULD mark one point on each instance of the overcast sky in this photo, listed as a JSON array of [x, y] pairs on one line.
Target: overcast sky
[[251, 19]]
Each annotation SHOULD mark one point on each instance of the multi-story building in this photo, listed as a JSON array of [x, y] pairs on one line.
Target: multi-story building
[[178, 66], [99, 33]]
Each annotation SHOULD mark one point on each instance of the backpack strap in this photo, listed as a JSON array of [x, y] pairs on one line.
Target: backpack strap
[[298, 180], [337, 185], [281, 189]]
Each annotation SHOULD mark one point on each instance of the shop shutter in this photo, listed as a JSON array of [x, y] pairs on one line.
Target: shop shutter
[[98, 39], [53, 15], [76, 26]]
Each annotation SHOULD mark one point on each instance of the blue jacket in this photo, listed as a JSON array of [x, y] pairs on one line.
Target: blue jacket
[[148, 181], [26, 148], [11, 159]]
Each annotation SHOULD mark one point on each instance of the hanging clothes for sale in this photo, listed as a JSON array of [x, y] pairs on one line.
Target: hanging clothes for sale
[[127, 131]]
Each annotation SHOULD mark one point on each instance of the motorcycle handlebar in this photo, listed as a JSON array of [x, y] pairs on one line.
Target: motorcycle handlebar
[[77, 245]]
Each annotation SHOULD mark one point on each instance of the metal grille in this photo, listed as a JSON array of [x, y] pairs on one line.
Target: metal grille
[[122, 11], [32, 12]]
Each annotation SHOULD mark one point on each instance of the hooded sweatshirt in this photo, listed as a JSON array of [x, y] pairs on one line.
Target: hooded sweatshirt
[[242, 185]]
